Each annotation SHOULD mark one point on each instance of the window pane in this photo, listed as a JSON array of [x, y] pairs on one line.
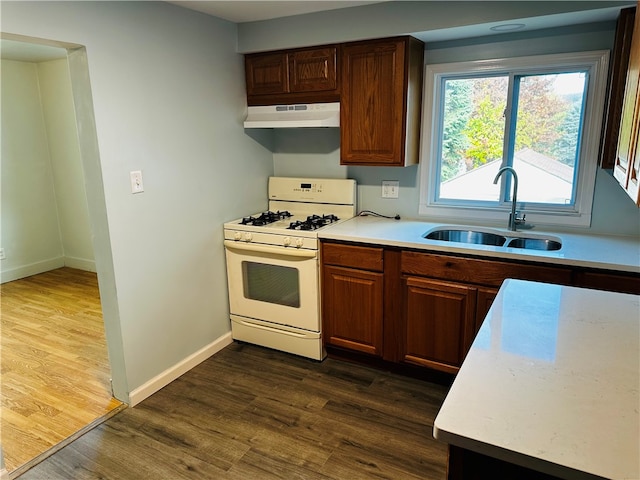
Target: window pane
[[547, 135], [472, 137]]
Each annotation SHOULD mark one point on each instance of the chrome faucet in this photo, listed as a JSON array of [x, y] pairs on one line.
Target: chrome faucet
[[514, 220]]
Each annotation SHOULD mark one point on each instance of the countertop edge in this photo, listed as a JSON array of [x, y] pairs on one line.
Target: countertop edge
[[368, 231], [510, 456]]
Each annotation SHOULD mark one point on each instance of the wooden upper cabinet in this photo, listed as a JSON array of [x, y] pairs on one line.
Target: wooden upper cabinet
[[618, 77], [313, 70], [267, 74], [305, 75], [380, 104], [627, 165]]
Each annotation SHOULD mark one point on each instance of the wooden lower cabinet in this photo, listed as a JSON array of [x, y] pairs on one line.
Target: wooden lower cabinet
[[352, 309], [486, 296], [412, 308], [352, 297], [610, 281], [447, 299], [440, 320]]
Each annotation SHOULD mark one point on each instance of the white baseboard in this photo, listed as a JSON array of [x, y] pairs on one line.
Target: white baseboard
[[80, 264], [170, 374], [32, 269]]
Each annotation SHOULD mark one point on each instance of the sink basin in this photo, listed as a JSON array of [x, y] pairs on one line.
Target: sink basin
[[483, 236], [467, 236], [534, 243]]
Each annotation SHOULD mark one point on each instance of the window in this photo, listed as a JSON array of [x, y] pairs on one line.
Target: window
[[540, 115]]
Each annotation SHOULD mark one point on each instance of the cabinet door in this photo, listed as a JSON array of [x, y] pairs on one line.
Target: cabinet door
[[372, 103], [623, 169], [486, 296], [633, 179], [352, 309], [267, 73], [313, 70], [618, 76], [440, 319]]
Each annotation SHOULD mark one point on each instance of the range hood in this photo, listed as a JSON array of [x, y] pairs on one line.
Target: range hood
[[294, 116]]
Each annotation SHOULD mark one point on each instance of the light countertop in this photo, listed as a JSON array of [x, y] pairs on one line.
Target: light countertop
[[595, 251], [551, 383]]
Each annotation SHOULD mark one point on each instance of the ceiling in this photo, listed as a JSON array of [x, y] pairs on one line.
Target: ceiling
[[240, 11]]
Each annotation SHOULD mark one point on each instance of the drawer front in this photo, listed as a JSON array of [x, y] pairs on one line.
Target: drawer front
[[615, 282], [354, 256], [482, 272]]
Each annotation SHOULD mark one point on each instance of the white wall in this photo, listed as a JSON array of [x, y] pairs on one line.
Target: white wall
[[30, 233], [167, 90], [45, 218], [66, 164]]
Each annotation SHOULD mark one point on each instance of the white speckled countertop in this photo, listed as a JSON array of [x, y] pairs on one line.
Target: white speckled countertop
[[551, 383], [596, 251]]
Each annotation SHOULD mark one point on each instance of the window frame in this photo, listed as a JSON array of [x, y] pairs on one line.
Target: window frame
[[595, 62]]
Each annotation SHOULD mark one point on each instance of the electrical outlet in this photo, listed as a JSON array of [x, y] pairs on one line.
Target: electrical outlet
[[136, 182], [390, 188], [2, 255]]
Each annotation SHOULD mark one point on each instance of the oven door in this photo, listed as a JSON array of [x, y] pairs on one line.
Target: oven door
[[274, 284]]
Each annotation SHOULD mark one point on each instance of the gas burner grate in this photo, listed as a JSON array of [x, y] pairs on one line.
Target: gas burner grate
[[265, 218], [313, 222]]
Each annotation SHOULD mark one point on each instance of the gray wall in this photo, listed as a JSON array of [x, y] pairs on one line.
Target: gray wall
[[167, 89], [298, 151]]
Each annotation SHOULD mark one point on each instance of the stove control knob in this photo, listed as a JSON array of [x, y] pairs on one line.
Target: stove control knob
[[299, 242], [247, 236], [286, 241], [237, 236]]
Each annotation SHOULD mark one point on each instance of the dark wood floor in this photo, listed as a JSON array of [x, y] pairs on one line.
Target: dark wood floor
[[253, 413]]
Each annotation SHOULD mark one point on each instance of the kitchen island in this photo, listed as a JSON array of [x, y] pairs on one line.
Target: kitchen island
[[550, 384]]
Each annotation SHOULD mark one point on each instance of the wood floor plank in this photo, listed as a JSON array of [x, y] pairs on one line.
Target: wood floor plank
[[54, 364], [252, 413]]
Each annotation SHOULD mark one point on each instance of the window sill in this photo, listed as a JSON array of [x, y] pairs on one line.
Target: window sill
[[498, 216]]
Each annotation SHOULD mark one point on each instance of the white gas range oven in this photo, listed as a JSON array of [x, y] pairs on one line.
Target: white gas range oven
[[273, 266]]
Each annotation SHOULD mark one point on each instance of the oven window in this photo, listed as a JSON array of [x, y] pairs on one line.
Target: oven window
[[271, 283]]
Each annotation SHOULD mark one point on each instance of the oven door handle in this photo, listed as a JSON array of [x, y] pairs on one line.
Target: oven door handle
[[252, 247]]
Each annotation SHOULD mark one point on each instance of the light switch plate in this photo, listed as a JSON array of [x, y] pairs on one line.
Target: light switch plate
[[136, 181], [390, 188]]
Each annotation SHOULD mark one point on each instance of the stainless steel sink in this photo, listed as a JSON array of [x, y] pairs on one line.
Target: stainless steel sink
[[484, 236], [535, 243], [467, 236]]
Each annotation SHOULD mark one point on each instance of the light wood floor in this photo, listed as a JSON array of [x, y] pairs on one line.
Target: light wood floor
[[250, 413], [54, 364]]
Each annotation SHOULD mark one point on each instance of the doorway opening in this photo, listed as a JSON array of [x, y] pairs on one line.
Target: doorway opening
[[56, 371]]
